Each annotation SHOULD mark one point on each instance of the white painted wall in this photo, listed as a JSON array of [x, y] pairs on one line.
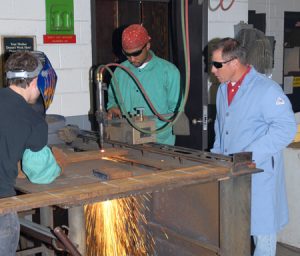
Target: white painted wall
[[221, 23], [291, 233], [274, 10], [71, 61]]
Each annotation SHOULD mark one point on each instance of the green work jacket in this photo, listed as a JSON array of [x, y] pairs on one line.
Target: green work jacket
[[161, 81]]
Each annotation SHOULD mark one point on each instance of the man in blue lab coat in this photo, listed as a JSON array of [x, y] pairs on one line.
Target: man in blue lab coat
[[254, 115]]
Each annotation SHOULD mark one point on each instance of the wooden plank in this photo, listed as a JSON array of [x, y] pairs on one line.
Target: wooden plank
[[100, 191], [76, 174], [75, 157], [65, 157]]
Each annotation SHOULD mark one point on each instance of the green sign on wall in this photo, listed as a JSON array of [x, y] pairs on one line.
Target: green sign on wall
[[59, 17]]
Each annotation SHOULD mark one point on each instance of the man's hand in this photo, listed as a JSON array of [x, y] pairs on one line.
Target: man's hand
[[21, 174], [114, 112]]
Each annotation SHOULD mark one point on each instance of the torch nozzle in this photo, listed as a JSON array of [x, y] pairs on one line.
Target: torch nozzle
[[99, 75]]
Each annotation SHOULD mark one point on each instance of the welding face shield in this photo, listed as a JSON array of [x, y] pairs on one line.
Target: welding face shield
[[46, 77]]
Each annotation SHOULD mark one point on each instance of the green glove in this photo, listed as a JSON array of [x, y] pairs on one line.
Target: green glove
[[40, 167]]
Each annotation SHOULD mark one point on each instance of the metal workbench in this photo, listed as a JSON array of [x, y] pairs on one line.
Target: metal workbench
[[200, 200]]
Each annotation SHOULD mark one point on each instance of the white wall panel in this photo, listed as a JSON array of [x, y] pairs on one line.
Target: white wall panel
[[78, 103], [227, 30], [69, 81], [291, 233], [29, 9], [274, 10], [6, 10], [221, 23], [85, 80], [19, 17], [84, 35], [55, 107], [82, 10], [79, 57]]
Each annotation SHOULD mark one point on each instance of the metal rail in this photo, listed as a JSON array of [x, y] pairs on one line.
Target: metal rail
[[56, 238], [58, 231], [176, 151]]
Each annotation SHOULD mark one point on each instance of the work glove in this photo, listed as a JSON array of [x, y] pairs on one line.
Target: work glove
[[40, 167]]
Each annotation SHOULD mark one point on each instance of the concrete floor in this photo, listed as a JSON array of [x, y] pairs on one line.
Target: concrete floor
[[286, 250]]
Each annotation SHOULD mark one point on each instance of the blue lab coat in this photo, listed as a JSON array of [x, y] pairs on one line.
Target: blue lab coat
[[259, 120]]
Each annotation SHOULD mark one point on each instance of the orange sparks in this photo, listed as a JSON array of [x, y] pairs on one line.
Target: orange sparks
[[109, 159], [118, 228]]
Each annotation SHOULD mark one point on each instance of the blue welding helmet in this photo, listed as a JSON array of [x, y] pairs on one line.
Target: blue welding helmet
[[47, 79], [46, 75]]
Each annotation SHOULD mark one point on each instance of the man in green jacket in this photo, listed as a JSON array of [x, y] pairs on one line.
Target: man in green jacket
[[159, 78]]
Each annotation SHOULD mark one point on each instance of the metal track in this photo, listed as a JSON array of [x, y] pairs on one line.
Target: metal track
[[175, 151]]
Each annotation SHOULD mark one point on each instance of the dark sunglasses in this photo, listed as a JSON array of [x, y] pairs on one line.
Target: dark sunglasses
[[218, 64], [134, 54]]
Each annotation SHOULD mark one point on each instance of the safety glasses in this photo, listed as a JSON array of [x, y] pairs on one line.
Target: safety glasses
[[134, 54], [219, 64]]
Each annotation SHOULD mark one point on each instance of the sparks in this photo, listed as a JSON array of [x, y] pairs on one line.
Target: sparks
[[118, 228], [108, 159]]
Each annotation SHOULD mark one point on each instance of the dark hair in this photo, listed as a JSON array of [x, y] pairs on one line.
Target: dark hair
[[231, 48], [21, 60]]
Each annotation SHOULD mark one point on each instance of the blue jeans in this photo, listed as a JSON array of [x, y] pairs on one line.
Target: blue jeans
[[9, 234], [265, 245]]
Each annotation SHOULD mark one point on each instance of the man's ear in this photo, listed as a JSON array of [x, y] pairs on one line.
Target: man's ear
[[33, 82], [235, 62]]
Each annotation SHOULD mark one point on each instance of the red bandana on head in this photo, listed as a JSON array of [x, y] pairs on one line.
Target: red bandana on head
[[135, 36]]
